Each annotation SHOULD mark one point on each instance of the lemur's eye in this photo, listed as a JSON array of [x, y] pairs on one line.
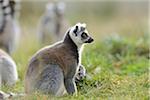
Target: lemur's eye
[[84, 35]]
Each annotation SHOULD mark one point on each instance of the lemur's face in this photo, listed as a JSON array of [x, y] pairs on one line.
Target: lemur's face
[[80, 34]]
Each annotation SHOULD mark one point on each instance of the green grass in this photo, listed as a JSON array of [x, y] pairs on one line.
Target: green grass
[[122, 70]]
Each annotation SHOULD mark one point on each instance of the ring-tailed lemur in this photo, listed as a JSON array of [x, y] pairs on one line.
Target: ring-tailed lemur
[[8, 69], [53, 68], [53, 23], [9, 28]]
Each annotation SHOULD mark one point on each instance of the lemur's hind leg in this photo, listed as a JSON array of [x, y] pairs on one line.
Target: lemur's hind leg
[[51, 80]]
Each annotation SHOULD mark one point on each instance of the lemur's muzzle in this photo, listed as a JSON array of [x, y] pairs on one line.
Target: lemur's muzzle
[[90, 40]]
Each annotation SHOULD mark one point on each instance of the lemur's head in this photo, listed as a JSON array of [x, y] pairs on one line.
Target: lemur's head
[[80, 35]]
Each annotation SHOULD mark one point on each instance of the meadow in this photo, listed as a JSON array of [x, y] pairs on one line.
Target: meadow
[[117, 62]]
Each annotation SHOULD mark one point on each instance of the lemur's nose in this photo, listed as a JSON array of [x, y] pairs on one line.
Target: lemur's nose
[[89, 40]]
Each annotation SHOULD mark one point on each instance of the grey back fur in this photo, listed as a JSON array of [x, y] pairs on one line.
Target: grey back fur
[[51, 80]]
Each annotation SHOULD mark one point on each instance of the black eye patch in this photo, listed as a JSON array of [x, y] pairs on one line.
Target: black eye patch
[[84, 35], [75, 30]]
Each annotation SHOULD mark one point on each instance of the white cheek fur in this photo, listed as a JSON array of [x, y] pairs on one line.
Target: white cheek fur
[[78, 39]]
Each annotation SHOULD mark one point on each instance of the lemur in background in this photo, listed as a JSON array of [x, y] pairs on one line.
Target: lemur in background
[[10, 96], [8, 70], [53, 23], [9, 27], [8, 74], [81, 74], [52, 70]]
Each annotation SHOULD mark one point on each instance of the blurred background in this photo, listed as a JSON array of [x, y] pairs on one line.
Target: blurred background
[[129, 18], [117, 61]]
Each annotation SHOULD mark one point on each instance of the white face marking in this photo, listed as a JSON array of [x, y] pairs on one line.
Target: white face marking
[[61, 7], [50, 10], [79, 34]]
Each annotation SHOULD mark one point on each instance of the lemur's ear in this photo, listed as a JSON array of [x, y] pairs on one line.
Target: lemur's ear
[[82, 28], [84, 25], [75, 30]]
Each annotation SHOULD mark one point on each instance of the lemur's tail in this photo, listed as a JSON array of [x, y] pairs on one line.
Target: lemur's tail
[[4, 95]]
